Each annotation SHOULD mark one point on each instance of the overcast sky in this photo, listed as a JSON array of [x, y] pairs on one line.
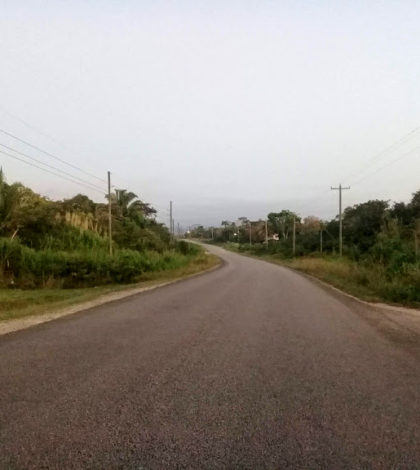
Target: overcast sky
[[229, 108]]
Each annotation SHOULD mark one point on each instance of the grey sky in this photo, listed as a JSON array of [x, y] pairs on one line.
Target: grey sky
[[230, 108]]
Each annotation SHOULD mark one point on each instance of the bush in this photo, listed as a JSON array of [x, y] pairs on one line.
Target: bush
[[25, 267], [187, 248]]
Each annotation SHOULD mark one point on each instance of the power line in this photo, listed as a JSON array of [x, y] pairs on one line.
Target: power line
[[29, 126], [51, 155], [93, 186], [387, 165], [51, 172], [53, 139], [390, 148], [402, 140]]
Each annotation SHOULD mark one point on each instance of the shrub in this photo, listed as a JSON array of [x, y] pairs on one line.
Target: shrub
[[25, 267]]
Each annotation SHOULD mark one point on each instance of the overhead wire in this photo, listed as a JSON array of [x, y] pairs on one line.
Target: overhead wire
[[52, 172], [386, 150], [75, 167], [53, 139], [29, 126], [402, 140], [299, 206], [401, 157], [51, 166]]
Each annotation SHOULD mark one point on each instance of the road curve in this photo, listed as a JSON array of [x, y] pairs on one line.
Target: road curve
[[251, 366]]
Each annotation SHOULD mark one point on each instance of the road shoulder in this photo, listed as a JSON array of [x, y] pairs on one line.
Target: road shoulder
[[12, 325]]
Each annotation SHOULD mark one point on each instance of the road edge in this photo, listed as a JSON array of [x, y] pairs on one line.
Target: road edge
[[14, 325], [377, 305]]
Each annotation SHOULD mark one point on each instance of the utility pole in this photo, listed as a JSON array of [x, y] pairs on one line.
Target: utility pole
[[320, 240], [340, 204], [250, 233], [170, 218], [294, 235], [109, 214], [266, 232], [179, 230], [212, 233]]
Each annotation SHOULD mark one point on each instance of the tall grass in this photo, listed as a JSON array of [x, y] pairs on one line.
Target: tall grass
[[25, 267], [369, 281], [373, 282]]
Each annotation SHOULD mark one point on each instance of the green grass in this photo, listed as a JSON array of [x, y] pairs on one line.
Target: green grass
[[343, 274], [19, 303], [25, 268], [366, 281]]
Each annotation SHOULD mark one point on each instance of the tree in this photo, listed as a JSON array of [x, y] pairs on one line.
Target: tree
[[415, 205], [402, 213], [229, 229], [81, 203], [9, 201], [125, 199], [258, 231], [132, 207], [282, 222], [310, 224], [362, 223]]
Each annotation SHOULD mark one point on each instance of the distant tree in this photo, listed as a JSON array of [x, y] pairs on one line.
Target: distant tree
[[80, 202], [282, 222], [9, 200], [415, 205], [310, 224], [258, 231], [228, 229], [363, 222], [125, 199], [402, 213]]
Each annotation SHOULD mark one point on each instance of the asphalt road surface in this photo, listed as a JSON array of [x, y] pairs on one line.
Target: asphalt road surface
[[250, 366]]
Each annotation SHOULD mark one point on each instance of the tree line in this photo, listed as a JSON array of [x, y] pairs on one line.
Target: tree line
[[380, 242]]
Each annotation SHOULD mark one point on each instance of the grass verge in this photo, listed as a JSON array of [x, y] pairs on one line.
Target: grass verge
[[20, 303]]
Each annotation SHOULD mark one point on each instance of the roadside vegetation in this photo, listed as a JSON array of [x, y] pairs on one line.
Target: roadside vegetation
[[57, 252], [380, 261]]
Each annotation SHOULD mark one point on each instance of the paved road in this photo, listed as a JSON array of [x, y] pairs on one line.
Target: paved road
[[250, 366]]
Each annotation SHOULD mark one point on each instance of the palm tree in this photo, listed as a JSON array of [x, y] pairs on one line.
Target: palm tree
[[125, 199], [131, 206]]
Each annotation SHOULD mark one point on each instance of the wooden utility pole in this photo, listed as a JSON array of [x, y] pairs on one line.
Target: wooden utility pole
[[320, 240], [170, 218], [266, 232], [250, 233], [212, 233], [340, 204], [294, 235], [109, 214]]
